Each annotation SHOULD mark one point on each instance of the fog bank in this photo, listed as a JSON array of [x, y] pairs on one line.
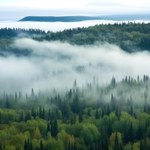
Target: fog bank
[[58, 65], [59, 26]]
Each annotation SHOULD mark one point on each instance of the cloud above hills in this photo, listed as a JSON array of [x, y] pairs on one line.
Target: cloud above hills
[[57, 65]]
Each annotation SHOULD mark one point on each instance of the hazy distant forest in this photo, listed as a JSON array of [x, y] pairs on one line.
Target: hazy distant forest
[[94, 116]]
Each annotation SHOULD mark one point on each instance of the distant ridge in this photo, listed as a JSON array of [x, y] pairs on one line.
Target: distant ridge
[[59, 18], [85, 18]]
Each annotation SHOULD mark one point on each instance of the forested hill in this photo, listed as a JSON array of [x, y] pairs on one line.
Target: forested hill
[[59, 18], [130, 37], [84, 18]]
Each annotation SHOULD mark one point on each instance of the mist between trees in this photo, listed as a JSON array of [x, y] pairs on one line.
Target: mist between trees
[[59, 96], [114, 116], [47, 65]]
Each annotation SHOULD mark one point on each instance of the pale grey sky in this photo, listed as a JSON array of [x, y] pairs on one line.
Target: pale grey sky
[[16, 9]]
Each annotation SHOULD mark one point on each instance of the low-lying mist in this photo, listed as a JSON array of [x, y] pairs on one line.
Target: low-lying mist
[[60, 26], [57, 65]]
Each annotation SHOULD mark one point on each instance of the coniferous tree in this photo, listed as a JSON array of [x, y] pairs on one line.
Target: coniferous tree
[[54, 127]]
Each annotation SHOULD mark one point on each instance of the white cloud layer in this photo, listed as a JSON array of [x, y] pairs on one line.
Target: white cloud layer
[[56, 64]]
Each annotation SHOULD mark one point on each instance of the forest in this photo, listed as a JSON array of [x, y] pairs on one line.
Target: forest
[[131, 37], [114, 115], [111, 117]]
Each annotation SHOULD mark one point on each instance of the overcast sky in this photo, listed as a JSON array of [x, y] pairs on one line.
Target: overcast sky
[[15, 9]]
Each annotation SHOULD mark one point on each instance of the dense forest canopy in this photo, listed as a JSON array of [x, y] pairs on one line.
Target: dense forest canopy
[[131, 37], [111, 117]]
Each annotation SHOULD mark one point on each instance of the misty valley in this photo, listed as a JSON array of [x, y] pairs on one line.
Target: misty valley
[[77, 89]]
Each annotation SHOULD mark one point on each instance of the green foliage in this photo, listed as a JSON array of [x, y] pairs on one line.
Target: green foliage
[[77, 119], [131, 37]]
